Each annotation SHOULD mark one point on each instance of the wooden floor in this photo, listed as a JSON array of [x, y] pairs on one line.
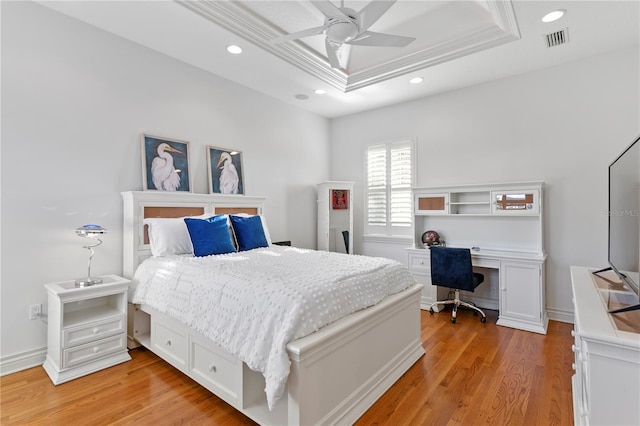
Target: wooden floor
[[472, 374]]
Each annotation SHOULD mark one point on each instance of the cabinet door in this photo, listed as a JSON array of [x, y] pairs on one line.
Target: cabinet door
[[521, 292], [525, 202], [427, 204]]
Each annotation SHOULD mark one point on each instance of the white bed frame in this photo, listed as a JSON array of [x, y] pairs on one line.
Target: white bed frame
[[336, 374]]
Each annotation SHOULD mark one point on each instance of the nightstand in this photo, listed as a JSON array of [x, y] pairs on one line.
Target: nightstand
[[87, 328]]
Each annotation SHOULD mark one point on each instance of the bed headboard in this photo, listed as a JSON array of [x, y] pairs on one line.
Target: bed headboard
[[138, 205]]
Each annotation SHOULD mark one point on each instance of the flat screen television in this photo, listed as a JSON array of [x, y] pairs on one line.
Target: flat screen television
[[624, 219]]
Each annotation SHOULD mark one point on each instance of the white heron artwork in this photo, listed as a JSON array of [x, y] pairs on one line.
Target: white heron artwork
[[228, 175], [226, 171], [166, 167], [164, 174]]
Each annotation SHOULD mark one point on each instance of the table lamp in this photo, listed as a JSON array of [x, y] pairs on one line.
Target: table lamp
[[93, 232]]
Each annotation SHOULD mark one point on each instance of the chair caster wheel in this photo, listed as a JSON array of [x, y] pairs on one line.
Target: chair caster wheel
[[453, 320], [431, 311], [483, 320]]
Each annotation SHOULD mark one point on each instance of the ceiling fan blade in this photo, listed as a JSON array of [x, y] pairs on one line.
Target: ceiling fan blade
[[369, 38], [330, 10], [332, 54], [297, 35], [372, 12]]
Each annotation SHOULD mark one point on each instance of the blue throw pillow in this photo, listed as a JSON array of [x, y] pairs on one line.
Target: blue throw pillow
[[210, 236], [249, 232]]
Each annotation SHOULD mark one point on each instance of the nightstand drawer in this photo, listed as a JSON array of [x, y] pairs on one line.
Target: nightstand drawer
[[218, 372], [92, 351], [170, 343], [93, 331]]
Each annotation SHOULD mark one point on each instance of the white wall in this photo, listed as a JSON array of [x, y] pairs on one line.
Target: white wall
[[563, 125], [75, 101]]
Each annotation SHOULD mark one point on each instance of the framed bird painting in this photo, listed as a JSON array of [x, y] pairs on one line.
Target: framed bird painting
[[225, 171], [165, 164]]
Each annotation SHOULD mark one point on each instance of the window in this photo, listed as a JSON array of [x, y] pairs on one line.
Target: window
[[390, 172]]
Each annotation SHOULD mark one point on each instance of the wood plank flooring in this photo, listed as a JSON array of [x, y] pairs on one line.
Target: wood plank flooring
[[472, 374]]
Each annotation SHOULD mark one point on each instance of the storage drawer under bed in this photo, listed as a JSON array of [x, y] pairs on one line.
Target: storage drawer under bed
[[215, 369], [170, 342]]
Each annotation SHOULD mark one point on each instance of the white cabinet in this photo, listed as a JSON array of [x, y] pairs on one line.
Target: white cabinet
[[521, 198], [519, 202], [606, 384], [87, 328], [431, 203], [522, 295], [335, 216]]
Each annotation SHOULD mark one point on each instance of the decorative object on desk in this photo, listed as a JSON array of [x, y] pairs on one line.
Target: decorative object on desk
[[340, 199], [93, 232], [165, 164], [431, 238], [225, 171]]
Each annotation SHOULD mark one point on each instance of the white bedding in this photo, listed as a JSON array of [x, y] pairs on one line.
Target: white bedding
[[253, 303]]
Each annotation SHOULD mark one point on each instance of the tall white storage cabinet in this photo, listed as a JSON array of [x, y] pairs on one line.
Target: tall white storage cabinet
[[335, 216]]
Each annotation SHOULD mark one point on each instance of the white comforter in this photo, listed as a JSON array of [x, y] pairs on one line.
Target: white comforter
[[253, 303]]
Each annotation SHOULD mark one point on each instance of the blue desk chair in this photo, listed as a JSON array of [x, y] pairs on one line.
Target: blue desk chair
[[451, 267]]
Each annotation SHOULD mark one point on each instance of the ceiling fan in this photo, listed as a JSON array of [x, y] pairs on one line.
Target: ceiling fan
[[343, 25]]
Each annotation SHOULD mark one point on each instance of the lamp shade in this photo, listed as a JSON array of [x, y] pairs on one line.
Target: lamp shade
[[90, 231]]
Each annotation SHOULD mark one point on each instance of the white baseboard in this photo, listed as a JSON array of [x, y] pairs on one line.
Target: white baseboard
[[18, 362], [562, 316]]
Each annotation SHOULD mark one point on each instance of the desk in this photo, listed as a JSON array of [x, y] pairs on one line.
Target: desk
[[521, 295]]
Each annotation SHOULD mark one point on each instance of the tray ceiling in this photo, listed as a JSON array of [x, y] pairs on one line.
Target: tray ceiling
[[459, 43]]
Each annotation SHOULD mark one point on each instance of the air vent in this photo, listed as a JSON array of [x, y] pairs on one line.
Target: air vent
[[557, 38]]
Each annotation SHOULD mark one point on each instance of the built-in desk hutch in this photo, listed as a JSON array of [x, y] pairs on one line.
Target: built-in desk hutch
[[502, 224]]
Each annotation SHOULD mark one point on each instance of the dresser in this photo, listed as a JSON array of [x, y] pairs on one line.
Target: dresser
[[606, 383]]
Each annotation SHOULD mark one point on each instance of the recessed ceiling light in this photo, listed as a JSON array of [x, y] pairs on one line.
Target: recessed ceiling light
[[232, 48], [301, 97], [416, 80], [319, 91], [554, 15]]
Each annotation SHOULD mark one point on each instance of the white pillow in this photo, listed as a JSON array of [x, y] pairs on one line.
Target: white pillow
[[264, 225], [169, 236]]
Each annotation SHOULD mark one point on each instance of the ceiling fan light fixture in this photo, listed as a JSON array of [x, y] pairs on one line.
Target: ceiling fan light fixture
[[341, 31], [554, 15], [416, 80], [234, 49]]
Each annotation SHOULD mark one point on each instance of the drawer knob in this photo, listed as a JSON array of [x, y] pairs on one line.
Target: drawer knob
[[575, 349], [213, 368], [168, 342], [96, 349], [573, 333], [96, 330], [573, 366]]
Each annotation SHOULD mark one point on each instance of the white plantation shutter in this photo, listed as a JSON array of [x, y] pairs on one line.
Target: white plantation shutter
[[389, 179], [377, 185]]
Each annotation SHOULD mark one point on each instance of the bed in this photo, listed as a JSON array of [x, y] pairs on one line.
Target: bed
[[336, 373]]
